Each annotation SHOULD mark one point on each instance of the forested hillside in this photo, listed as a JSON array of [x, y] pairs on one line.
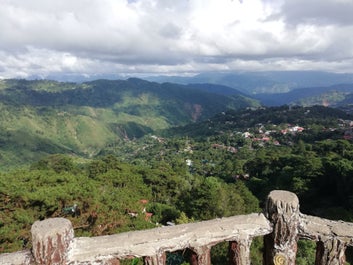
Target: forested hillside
[[44, 117], [223, 166], [121, 155], [274, 118]]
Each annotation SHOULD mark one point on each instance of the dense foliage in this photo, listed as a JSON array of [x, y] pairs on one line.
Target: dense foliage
[[44, 117], [108, 196], [220, 167]]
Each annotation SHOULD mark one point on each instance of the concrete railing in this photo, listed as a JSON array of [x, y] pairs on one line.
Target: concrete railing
[[281, 224]]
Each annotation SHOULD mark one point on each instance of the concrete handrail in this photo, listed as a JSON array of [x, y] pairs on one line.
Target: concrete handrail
[[281, 224]]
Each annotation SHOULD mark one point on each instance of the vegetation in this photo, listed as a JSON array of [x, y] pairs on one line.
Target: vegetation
[[108, 196], [44, 117], [114, 166]]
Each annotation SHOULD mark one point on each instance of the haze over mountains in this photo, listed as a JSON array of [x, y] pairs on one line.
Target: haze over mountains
[[263, 82], [245, 81], [275, 88]]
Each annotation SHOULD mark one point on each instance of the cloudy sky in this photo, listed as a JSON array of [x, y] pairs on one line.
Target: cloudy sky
[[134, 37]]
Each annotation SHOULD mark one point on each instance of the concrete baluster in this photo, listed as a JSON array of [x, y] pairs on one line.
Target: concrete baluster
[[159, 259], [239, 252], [201, 256], [330, 252], [282, 209], [52, 239], [193, 258]]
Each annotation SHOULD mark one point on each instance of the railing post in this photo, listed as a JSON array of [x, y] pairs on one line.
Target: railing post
[[330, 252], [239, 252], [201, 256], [159, 259], [52, 240], [282, 209]]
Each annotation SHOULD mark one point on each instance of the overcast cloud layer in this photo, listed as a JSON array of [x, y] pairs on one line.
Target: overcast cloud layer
[[93, 37]]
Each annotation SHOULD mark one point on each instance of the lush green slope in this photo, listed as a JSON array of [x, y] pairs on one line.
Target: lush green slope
[[46, 117], [214, 169]]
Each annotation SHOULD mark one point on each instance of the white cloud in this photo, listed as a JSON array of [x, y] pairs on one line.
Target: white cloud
[[40, 37]]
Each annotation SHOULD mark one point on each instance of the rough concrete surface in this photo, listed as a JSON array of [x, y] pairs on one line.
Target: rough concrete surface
[[171, 238], [18, 258]]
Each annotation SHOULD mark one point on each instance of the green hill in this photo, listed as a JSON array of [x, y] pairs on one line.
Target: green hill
[[272, 117], [221, 166], [44, 117]]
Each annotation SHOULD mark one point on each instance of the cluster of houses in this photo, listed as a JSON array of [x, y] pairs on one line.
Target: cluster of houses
[[225, 147], [292, 129], [345, 123], [348, 126], [262, 136]]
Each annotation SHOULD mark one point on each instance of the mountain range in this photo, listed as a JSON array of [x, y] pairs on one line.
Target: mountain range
[[41, 117], [268, 82], [276, 88], [336, 95]]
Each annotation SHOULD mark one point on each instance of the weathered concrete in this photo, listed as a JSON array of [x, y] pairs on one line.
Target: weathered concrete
[[18, 258], [282, 209], [52, 240], [316, 228], [332, 238], [150, 243], [239, 252], [203, 255], [158, 259], [330, 252]]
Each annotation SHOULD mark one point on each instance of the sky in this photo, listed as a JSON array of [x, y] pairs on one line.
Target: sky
[[173, 37]]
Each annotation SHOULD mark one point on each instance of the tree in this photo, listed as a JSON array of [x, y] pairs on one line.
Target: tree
[[58, 163]]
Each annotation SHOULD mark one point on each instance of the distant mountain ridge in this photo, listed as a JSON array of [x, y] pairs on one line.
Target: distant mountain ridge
[[276, 88], [41, 117], [335, 96], [248, 82], [103, 93], [267, 82]]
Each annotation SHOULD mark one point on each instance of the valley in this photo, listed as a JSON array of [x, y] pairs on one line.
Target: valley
[[115, 150]]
